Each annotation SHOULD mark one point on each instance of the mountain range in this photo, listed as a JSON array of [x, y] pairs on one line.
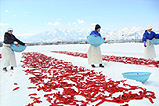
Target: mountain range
[[81, 35]]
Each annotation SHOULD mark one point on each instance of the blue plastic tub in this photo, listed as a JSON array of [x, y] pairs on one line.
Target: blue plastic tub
[[138, 76], [95, 40], [155, 41], [18, 48]]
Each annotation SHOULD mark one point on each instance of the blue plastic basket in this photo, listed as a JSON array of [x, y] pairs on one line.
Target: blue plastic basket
[[138, 76], [95, 40], [155, 41], [18, 48]]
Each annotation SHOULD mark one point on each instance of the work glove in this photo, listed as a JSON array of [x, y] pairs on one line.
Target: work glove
[[144, 43], [16, 43]]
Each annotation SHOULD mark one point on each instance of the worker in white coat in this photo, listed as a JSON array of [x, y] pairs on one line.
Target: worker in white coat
[[149, 48], [8, 55], [94, 53]]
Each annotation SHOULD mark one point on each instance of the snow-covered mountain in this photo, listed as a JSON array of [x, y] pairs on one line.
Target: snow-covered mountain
[[58, 35], [78, 35]]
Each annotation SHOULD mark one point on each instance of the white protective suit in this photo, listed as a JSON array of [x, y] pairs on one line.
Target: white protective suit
[[94, 55], [149, 50], [8, 56]]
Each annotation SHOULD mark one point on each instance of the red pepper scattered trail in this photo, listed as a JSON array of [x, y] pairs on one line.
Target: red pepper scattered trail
[[126, 60], [49, 74]]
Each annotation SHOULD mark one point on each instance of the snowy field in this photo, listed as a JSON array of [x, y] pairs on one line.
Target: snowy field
[[112, 70]]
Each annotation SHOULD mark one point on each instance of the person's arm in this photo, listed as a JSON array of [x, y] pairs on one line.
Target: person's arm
[[156, 35], [99, 35], [20, 42], [7, 39], [144, 39]]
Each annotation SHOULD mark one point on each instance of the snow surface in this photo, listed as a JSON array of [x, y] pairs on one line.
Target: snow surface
[[112, 70]]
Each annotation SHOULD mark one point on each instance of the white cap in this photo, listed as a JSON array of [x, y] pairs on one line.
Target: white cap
[[149, 27], [10, 29]]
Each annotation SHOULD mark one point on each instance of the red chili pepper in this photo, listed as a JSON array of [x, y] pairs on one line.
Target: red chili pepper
[[0, 56], [33, 94], [15, 84], [150, 100], [34, 97], [16, 88], [31, 87], [100, 103], [125, 105]]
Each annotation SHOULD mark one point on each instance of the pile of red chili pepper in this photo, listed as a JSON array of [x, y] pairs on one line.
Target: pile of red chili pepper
[[50, 74], [126, 60]]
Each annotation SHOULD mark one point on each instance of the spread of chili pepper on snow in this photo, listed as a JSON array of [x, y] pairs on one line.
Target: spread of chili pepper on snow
[[50, 74], [126, 60]]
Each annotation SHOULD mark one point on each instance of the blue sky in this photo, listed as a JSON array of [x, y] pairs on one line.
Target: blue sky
[[29, 17]]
